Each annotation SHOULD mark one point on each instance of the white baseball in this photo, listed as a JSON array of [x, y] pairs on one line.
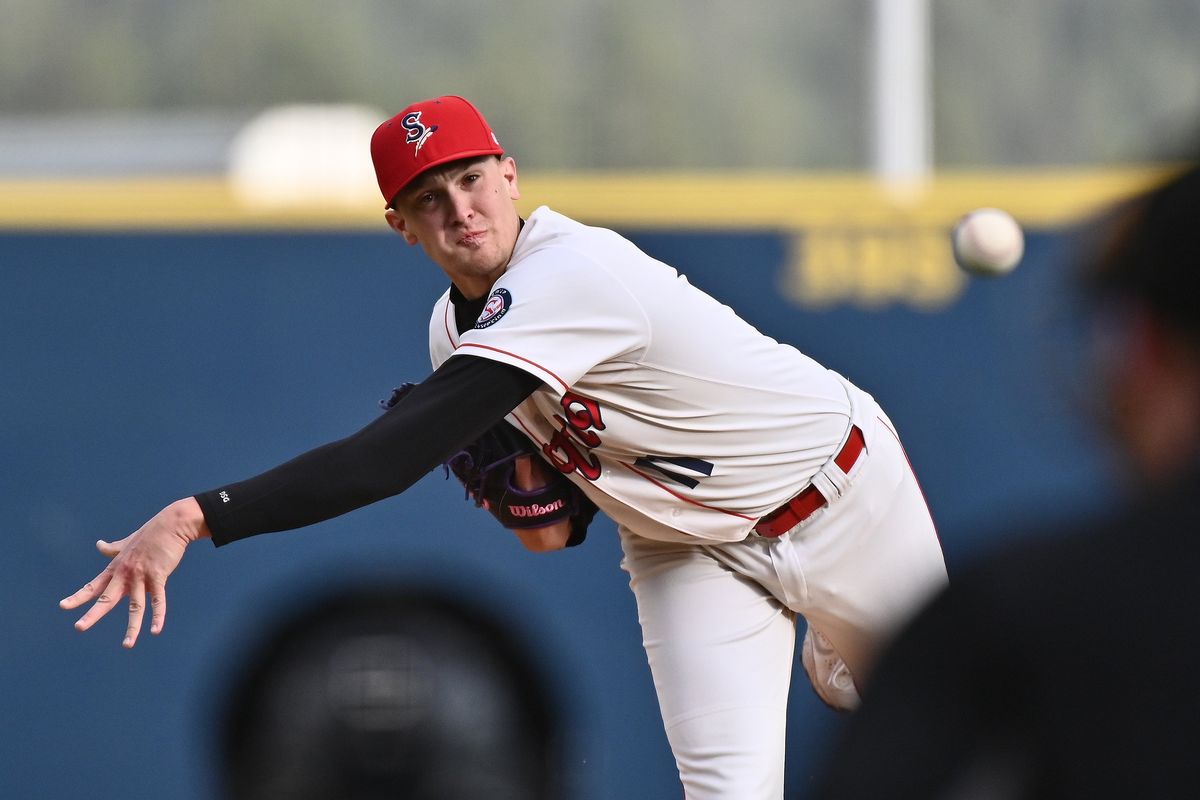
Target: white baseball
[[988, 241]]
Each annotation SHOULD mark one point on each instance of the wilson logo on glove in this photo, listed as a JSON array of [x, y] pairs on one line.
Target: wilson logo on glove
[[535, 509], [485, 468]]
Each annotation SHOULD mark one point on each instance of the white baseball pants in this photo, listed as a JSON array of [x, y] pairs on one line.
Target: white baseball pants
[[718, 621]]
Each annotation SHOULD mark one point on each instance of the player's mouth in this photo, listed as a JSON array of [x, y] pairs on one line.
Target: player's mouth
[[472, 238]]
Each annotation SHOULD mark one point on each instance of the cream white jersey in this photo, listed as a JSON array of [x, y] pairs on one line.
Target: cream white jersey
[[678, 418]]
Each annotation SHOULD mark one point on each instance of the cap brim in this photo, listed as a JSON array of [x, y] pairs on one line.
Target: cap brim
[[437, 162]]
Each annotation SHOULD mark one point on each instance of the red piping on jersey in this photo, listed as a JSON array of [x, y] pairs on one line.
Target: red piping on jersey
[[446, 322], [564, 384], [681, 497]]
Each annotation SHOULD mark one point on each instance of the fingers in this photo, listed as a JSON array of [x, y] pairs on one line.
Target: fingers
[[108, 591], [88, 591], [137, 610], [158, 605], [97, 584], [110, 549], [108, 597], [140, 566]]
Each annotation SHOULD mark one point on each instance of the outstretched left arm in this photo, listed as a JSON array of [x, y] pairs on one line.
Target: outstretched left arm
[[457, 403]]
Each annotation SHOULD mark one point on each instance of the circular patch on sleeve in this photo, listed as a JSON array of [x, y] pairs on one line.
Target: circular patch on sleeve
[[495, 308]]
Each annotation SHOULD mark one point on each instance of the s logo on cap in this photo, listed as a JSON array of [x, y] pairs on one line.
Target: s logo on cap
[[461, 130], [417, 132]]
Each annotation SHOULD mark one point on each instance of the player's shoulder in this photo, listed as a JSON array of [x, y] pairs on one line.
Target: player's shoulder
[[548, 231], [551, 241], [545, 224]]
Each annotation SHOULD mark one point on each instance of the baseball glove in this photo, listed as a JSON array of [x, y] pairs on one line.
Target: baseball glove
[[485, 469]]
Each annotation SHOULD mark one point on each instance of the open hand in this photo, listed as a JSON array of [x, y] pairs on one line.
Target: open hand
[[140, 566]]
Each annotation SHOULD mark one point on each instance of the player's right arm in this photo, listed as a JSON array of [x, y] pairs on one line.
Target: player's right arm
[[460, 400]]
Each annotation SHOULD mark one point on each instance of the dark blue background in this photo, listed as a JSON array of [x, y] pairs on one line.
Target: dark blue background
[[138, 368]]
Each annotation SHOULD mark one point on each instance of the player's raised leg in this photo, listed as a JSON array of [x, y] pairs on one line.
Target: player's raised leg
[[866, 566]]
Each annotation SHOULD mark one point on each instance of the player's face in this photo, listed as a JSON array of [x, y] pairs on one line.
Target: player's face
[[464, 218]]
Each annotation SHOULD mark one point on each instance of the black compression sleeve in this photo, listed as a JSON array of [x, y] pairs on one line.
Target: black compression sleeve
[[457, 403]]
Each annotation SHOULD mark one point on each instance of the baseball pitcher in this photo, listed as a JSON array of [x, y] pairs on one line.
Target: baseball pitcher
[[574, 373]]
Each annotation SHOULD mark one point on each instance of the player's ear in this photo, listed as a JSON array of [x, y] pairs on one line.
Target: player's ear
[[508, 169], [396, 223]]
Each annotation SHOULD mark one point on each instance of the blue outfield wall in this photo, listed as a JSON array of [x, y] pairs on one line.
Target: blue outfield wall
[[140, 367]]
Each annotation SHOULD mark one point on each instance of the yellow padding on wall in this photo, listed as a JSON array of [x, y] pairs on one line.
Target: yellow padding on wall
[[728, 201]]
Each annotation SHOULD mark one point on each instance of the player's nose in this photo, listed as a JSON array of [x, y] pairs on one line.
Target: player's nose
[[460, 205]]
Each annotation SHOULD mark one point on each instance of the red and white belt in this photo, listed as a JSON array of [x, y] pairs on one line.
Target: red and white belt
[[805, 504]]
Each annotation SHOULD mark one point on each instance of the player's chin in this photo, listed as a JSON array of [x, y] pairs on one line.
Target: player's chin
[[481, 262]]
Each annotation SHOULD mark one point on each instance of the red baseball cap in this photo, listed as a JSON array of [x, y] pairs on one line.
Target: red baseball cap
[[427, 134]]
